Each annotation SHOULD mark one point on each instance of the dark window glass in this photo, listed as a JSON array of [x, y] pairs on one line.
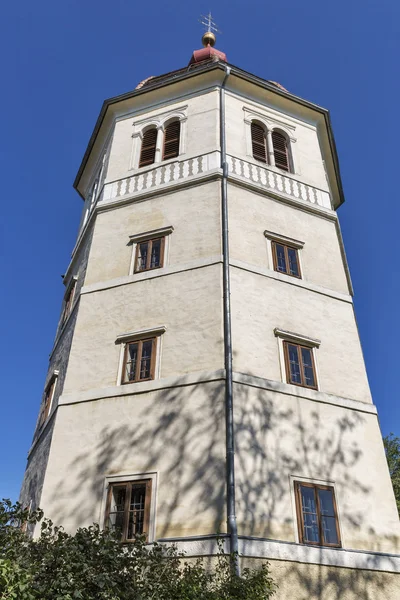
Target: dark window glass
[[308, 367], [293, 265], [155, 254], [143, 249], [317, 515], [286, 259], [145, 361], [295, 374], [131, 362], [300, 367]]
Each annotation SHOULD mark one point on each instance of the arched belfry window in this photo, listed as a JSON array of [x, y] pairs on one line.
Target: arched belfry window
[[171, 140], [258, 142], [148, 149], [281, 153]]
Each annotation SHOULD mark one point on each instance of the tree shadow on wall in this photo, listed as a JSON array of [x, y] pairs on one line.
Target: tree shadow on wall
[[180, 433]]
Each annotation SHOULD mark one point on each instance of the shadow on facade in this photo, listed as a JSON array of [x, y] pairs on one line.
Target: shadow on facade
[[180, 433]]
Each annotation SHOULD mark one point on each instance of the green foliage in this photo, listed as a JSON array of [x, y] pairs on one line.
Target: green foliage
[[392, 449], [94, 565]]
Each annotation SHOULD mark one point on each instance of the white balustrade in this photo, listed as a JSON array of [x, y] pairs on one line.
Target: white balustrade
[[170, 173]]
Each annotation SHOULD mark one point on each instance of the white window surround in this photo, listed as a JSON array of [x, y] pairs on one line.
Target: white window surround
[[164, 232], [124, 478], [289, 336], [54, 377], [125, 338], [302, 479], [288, 241], [159, 121], [270, 124]]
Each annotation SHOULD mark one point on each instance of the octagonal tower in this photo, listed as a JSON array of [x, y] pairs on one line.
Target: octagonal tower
[[207, 374]]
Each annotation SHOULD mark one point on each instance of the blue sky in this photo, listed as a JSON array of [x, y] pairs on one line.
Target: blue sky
[[61, 59]]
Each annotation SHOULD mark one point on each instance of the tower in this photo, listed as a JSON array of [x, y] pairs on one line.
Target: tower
[[207, 373]]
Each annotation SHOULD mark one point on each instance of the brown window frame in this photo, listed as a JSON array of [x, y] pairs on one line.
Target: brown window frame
[[48, 398], [286, 343], [263, 158], [149, 241], [286, 248], [148, 149], [146, 520], [68, 301], [300, 517], [278, 151], [174, 141], [139, 342]]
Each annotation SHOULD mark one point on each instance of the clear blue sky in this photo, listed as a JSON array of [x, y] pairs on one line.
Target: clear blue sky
[[61, 59]]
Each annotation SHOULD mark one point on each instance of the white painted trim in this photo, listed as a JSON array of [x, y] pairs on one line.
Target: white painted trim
[[141, 387], [292, 552], [296, 337], [141, 237], [136, 335], [125, 477], [302, 392], [151, 274], [198, 377], [277, 237]]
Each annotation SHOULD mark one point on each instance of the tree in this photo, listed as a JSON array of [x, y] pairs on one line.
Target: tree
[[93, 565], [392, 449]]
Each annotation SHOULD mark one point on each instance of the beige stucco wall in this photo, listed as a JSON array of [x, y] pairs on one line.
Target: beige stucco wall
[[194, 213], [279, 437], [176, 432], [306, 149], [201, 133], [187, 303], [260, 304], [299, 581], [250, 214]]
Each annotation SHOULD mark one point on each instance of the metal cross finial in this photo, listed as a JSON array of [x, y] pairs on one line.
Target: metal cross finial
[[209, 23]]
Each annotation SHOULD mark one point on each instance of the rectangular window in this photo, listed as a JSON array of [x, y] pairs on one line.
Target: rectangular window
[[149, 254], [317, 514], [300, 366], [139, 360], [286, 259], [128, 509], [46, 404], [69, 298]]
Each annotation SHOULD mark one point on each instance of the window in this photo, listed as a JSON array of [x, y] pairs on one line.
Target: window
[[69, 298], [286, 259], [171, 140], [280, 147], [317, 514], [149, 145], [128, 508], [139, 360], [48, 399], [300, 366], [258, 142], [149, 254]]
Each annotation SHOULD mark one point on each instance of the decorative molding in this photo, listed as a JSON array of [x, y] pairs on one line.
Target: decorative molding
[[278, 183], [277, 237], [161, 117], [292, 552], [302, 392], [269, 121], [296, 337], [136, 335], [142, 237]]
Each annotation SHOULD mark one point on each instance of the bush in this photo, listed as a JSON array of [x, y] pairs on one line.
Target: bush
[[94, 565]]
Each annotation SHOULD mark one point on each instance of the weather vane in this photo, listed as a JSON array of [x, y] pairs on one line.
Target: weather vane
[[211, 27], [209, 23]]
